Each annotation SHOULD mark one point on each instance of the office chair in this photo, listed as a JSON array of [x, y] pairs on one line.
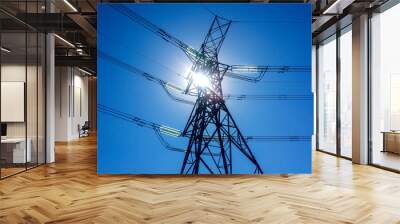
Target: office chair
[[84, 130]]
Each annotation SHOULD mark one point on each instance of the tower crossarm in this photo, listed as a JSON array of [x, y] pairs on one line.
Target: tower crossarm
[[255, 73]]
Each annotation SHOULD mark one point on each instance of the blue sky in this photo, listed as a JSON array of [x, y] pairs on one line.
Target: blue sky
[[262, 34]]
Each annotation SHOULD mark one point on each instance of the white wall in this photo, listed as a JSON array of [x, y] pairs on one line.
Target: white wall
[[71, 102], [16, 72], [62, 82], [80, 112]]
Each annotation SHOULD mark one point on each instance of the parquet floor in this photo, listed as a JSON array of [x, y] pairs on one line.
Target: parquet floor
[[69, 191], [10, 171]]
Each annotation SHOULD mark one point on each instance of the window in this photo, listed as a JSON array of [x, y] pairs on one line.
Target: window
[[346, 92], [22, 88], [385, 89], [327, 95]]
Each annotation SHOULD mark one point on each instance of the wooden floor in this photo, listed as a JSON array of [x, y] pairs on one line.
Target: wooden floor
[[387, 159], [5, 172], [69, 191]]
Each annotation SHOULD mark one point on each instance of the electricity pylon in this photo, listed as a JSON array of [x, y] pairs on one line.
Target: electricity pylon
[[210, 126], [213, 133]]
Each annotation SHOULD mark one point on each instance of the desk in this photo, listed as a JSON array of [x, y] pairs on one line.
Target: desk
[[13, 150], [391, 141]]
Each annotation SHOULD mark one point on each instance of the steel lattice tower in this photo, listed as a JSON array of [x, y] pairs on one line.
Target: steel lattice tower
[[211, 128]]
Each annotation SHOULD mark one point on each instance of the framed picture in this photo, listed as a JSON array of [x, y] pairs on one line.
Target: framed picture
[[204, 88]]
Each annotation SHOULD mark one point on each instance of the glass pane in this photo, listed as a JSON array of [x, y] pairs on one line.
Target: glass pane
[[327, 96], [41, 98], [13, 89], [386, 89], [23, 90], [32, 90], [346, 93], [314, 90], [32, 95]]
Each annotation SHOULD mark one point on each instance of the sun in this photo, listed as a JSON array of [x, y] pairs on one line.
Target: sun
[[201, 80]]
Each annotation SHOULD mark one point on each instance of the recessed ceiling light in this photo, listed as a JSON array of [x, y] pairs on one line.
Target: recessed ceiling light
[[85, 72], [70, 5], [5, 50], [64, 40], [337, 7]]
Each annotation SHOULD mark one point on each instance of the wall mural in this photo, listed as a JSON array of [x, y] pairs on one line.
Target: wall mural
[[204, 88]]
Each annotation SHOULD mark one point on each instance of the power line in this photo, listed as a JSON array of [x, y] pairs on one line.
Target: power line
[[170, 87], [268, 97], [161, 130], [133, 70], [255, 21], [129, 48], [157, 128]]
